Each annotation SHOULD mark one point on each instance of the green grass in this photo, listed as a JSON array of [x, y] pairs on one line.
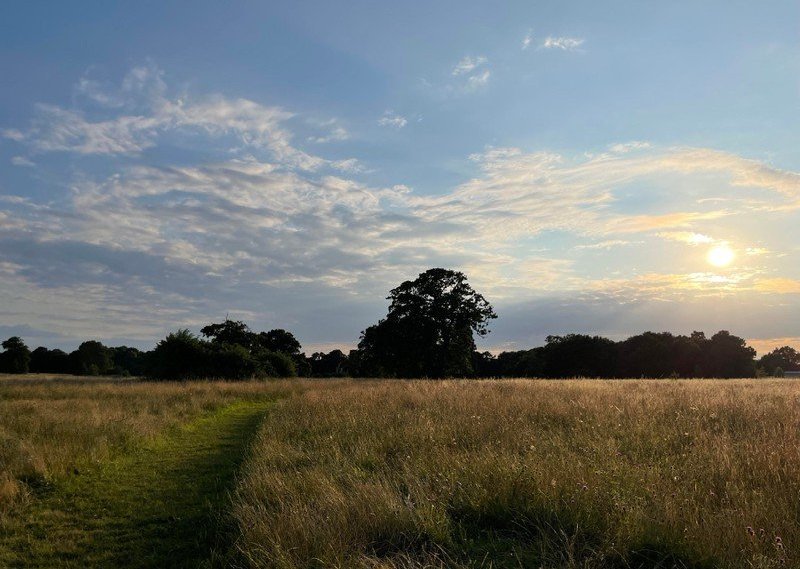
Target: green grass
[[162, 505]]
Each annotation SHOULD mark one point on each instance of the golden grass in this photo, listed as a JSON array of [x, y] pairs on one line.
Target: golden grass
[[51, 426], [526, 473]]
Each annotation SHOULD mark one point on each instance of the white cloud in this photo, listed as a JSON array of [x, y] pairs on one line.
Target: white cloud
[[608, 244], [22, 161], [625, 147], [688, 237], [563, 43], [527, 40], [393, 120], [479, 79], [469, 64], [253, 125], [473, 73], [12, 134], [332, 131]]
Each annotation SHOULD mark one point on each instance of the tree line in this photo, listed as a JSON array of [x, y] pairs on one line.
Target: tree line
[[429, 331]]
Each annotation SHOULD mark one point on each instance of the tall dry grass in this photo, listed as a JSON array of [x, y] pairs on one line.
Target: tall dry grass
[[526, 473], [51, 426]]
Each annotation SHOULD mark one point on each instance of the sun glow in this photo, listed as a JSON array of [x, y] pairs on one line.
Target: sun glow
[[720, 255]]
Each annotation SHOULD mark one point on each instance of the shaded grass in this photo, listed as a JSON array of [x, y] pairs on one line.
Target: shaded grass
[[160, 506], [570, 474]]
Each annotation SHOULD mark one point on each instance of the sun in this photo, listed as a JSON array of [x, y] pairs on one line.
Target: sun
[[720, 255]]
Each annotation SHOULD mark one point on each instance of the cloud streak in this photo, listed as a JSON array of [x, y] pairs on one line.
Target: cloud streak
[[562, 43], [392, 120]]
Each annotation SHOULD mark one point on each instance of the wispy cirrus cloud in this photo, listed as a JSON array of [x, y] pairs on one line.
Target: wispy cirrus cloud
[[393, 120], [22, 161], [688, 237], [474, 71], [563, 43], [527, 40], [332, 132], [468, 64]]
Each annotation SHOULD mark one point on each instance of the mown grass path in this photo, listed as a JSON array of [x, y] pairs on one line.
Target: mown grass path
[[162, 506]]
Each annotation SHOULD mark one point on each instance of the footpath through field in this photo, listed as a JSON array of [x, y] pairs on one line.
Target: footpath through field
[[162, 506]]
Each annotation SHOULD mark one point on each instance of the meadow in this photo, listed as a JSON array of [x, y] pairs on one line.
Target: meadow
[[401, 474]]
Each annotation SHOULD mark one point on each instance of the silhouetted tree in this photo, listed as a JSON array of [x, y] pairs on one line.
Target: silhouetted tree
[[232, 361], [278, 341], [49, 361], [429, 328], [127, 361], [91, 358], [284, 342], [229, 332], [786, 358], [579, 355], [523, 363], [726, 355], [16, 358], [181, 355], [332, 364], [661, 354]]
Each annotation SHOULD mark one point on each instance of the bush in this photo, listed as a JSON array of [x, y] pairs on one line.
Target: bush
[[233, 361], [181, 355], [277, 364]]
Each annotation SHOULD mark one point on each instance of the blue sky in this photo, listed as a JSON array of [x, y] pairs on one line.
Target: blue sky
[[163, 164]]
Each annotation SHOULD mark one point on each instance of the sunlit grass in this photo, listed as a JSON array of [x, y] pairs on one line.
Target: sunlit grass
[[526, 473]]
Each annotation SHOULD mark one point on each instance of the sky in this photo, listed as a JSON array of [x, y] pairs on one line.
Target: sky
[[596, 167]]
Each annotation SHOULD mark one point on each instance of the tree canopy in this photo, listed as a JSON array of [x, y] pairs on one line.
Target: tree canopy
[[428, 331]]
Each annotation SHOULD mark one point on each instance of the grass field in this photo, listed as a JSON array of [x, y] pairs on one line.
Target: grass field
[[345, 473]]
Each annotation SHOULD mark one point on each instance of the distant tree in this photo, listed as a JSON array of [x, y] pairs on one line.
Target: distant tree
[[276, 364], [579, 355], [181, 355], [49, 361], [232, 361], [786, 358], [355, 363], [91, 358], [127, 361], [388, 349], [522, 363], [278, 341], [484, 364], [687, 354], [16, 358], [333, 364], [726, 355], [649, 354], [429, 328], [229, 332]]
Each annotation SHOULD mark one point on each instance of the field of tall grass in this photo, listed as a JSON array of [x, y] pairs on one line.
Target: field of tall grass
[[413, 474], [696, 473], [53, 426]]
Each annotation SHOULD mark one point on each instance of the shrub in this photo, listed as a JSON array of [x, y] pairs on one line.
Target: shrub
[[277, 364], [181, 355], [233, 361]]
